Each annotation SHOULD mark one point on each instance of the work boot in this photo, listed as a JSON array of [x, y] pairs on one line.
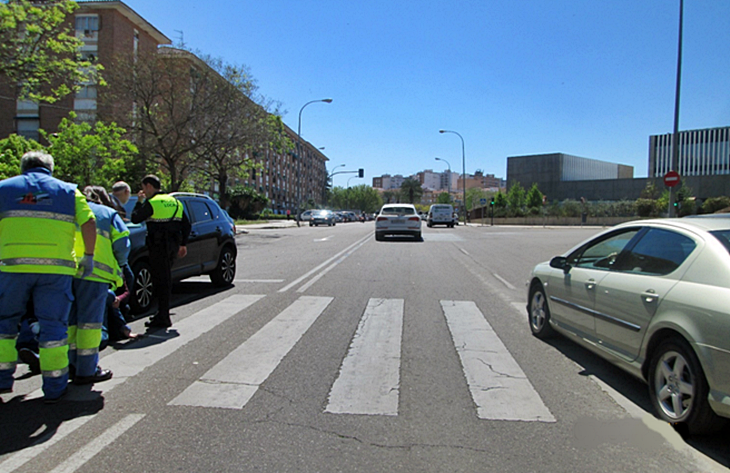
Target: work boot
[[98, 377], [30, 358]]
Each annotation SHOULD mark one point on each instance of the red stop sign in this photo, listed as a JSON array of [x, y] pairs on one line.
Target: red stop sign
[[671, 179]]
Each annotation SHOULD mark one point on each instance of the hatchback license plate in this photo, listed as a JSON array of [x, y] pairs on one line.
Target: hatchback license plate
[[398, 220]]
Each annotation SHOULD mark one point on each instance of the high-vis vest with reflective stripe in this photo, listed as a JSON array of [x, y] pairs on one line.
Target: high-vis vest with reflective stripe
[[37, 224], [165, 209], [106, 267]]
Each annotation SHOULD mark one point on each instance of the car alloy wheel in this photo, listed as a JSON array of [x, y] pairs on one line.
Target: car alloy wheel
[[225, 272], [539, 313], [143, 291], [678, 388]]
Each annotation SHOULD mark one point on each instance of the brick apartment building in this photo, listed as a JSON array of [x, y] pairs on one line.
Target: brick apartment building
[[109, 28]]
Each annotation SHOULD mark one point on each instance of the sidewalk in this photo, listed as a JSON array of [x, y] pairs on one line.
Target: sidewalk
[[270, 225]]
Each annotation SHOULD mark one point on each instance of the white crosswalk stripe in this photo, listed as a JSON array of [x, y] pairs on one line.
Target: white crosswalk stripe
[[497, 384], [369, 378], [234, 380]]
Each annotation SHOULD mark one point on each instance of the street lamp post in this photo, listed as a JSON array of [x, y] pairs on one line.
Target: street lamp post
[[448, 181], [463, 169], [675, 133], [299, 155]]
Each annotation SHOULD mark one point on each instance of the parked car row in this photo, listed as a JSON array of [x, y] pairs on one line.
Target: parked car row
[[651, 297]]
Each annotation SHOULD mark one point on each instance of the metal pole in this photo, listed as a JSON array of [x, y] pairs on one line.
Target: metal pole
[[463, 169], [299, 156], [675, 134]]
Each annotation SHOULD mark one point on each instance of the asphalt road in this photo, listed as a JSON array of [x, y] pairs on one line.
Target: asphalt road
[[334, 352]]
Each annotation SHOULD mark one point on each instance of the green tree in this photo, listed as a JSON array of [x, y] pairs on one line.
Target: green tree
[[715, 204], [516, 199], [391, 197], [534, 197], [39, 52], [89, 155], [245, 202], [411, 190], [12, 149], [443, 198], [474, 196], [500, 200]]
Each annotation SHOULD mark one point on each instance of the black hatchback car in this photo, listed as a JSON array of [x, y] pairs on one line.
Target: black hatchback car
[[211, 249]]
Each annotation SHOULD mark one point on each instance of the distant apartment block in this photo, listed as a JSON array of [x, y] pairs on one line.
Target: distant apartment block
[[701, 153]]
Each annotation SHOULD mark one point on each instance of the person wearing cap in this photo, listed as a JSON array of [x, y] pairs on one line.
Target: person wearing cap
[[39, 215]]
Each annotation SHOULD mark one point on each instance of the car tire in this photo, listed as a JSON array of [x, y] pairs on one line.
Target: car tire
[[224, 274], [418, 236], [538, 313], [678, 388], [142, 294], [378, 237]]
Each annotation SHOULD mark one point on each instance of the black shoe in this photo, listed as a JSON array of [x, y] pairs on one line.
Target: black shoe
[[54, 400], [30, 358], [6, 390], [158, 323], [98, 377]]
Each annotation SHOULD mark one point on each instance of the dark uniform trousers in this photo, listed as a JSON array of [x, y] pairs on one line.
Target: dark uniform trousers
[[163, 252]]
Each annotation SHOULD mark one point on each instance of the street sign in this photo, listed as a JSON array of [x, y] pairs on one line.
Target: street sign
[[671, 179], [482, 201]]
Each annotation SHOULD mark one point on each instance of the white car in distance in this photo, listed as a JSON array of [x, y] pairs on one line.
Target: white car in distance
[[398, 219]]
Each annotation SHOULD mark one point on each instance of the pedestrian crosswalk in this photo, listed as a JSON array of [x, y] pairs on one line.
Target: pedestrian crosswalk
[[368, 380]]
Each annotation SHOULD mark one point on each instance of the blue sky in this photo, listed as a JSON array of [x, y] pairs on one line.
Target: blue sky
[[584, 77]]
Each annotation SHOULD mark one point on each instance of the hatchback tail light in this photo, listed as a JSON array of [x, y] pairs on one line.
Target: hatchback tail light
[[414, 219], [380, 219]]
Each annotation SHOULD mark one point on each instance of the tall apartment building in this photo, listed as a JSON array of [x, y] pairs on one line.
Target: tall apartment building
[[701, 153], [106, 28]]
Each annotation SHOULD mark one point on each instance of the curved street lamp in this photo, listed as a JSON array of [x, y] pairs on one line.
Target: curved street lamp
[[299, 155], [448, 181], [463, 172]]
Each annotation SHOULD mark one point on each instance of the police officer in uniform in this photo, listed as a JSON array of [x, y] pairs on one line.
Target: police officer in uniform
[[38, 219], [168, 229]]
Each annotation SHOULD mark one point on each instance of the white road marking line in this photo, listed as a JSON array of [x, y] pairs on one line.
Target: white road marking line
[[245, 281], [504, 281], [369, 379], [20, 458], [235, 379], [317, 268], [464, 251], [497, 384], [309, 284], [127, 363], [79, 458]]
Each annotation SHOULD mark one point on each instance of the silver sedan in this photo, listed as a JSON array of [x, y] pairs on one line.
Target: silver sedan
[[652, 297]]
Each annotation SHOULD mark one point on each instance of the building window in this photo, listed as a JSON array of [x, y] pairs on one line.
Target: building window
[[28, 127], [88, 24]]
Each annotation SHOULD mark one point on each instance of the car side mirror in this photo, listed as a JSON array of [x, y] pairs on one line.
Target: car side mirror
[[560, 262]]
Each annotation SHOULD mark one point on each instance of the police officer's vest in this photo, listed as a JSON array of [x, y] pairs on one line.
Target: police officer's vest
[[166, 219], [37, 224], [106, 267]]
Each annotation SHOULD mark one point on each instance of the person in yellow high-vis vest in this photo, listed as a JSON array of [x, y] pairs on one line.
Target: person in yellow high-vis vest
[[38, 219], [168, 229], [90, 292]]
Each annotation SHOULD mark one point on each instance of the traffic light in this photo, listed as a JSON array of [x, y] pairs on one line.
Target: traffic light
[[491, 204], [361, 172]]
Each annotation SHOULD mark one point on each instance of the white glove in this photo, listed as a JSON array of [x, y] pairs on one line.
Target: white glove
[[86, 266]]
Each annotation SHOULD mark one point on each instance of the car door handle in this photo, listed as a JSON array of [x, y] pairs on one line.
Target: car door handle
[[650, 296], [591, 284]]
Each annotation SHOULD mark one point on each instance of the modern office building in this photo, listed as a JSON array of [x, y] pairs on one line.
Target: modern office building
[[701, 153]]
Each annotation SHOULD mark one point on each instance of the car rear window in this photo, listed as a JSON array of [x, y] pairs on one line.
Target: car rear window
[[724, 237], [398, 211]]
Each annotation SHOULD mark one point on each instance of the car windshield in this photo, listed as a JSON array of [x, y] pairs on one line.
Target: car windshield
[[724, 237], [398, 211]]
